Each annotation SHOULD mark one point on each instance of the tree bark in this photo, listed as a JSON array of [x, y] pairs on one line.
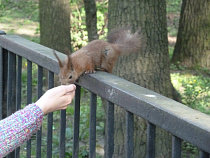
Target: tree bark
[[192, 48], [54, 18], [149, 68], [55, 24], [91, 19]]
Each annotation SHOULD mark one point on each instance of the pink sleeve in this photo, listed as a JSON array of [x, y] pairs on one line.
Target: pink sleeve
[[19, 127]]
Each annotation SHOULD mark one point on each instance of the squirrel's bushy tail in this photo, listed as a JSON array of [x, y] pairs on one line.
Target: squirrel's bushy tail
[[128, 42]]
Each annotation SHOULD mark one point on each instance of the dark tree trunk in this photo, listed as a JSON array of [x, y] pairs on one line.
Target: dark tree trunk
[[91, 19], [149, 69], [55, 24], [192, 48]]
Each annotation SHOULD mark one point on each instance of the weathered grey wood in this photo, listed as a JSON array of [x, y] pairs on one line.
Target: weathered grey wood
[[193, 126], [183, 122], [34, 52]]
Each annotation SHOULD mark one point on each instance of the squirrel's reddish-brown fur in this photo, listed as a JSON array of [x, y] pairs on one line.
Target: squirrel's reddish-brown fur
[[99, 54]]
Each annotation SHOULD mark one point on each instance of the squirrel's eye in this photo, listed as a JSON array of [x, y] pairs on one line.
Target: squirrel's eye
[[70, 77]]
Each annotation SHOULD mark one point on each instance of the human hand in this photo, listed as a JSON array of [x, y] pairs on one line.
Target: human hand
[[56, 98]]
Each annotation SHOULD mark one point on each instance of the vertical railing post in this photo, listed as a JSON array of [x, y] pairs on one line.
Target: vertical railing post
[[39, 94], [62, 133], [1, 77], [92, 128], [11, 87], [129, 135], [29, 98], [1, 82], [18, 94], [176, 147], [203, 154], [76, 123], [150, 140], [50, 118], [110, 130], [18, 83], [11, 83]]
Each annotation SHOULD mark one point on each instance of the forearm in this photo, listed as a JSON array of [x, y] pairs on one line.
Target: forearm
[[19, 127]]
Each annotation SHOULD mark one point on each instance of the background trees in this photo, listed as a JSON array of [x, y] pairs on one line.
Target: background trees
[[54, 16], [192, 48], [91, 19], [149, 68], [55, 24]]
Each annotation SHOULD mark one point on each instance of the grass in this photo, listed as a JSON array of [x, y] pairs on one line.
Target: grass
[[194, 90], [20, 17]]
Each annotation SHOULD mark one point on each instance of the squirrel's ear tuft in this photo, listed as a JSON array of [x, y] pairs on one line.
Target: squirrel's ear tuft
[[59, 61], [70, 65], [69, 61]]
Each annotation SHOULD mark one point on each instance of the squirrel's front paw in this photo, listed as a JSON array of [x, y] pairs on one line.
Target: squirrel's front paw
[[90, 71]]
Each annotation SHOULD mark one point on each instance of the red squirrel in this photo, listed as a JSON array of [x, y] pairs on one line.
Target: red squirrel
[[99, 54]]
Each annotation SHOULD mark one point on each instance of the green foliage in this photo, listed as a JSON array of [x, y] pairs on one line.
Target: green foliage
[[3, 4], [172, 31], [102, 11], [19, 16], [24, 81], [84, 123], [171, 50], [177, 65], [24, 12], [173, 6], [196, 93], [194, 90], [189, 151], [79, 35], [27, 10]]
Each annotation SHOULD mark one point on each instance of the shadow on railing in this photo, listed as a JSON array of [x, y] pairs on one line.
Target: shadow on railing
[[182, 122]]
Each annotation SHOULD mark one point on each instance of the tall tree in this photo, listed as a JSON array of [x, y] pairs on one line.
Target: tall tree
[[192, 48], [149, 68], [55, 24], [91, 19]]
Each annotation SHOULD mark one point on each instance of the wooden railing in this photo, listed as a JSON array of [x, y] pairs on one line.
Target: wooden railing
[[179, 120]]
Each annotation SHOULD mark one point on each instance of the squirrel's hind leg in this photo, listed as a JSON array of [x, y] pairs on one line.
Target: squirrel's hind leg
[[105, 65]]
